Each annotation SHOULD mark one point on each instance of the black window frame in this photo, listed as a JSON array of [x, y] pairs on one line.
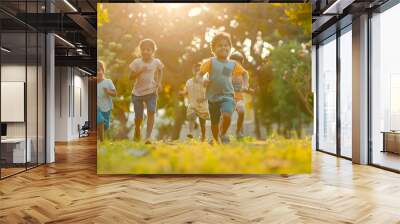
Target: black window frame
[[334, 36]]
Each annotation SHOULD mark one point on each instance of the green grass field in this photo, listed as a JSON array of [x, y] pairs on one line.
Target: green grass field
[[274, 156]]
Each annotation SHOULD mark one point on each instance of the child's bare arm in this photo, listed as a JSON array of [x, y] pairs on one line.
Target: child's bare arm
[[246, 80], [135, 74], [183, 92], [205, 68], [110, 92], [200, 76], [159, 76], [246, 87]]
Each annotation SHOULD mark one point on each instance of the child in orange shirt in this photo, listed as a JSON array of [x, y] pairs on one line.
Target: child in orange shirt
[[240, 85]]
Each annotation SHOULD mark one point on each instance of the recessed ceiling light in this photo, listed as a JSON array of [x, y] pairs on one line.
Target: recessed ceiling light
[[64, 40], [337, 7], [70, 5], [5, 50], [84, 71]]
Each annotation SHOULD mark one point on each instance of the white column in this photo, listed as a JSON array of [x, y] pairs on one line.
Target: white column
[[50, 94], [360, 90]]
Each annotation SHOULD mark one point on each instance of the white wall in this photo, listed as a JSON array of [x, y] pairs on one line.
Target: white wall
[[70, 83], [12, 73], [61, 104], [34, 125], [80, 100], [16, 73]]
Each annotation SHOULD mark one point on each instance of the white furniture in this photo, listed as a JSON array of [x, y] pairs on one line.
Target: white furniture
[[18, 144]]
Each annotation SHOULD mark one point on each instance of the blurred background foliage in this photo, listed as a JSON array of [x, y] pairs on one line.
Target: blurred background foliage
[[275, 39]]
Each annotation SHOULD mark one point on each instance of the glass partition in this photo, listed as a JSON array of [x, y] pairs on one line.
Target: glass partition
[[14, 151], [31, 97], [22, 78], [41, 86], [385, 89], [346, 93], [327, 95]]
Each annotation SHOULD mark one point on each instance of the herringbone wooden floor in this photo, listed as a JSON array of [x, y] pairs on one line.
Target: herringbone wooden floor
[[69, 191]]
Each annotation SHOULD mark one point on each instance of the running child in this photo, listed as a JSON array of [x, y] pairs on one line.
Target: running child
[[105, 92], [147, 71], [219, 87], [240, 85], [197, 105]]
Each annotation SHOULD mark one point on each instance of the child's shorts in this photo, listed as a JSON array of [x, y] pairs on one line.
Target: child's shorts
[[192, 114], [138, 104], [103, 117], [216, 108], [239, 106]]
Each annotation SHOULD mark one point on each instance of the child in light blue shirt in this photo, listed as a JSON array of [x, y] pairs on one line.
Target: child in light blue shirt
[[105, 92]]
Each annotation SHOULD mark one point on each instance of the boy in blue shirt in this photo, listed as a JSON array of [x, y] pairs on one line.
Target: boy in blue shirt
[[219, 87], [105, 92]]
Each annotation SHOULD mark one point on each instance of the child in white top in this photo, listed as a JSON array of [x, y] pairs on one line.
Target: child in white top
[[196, 105], [147, 70]]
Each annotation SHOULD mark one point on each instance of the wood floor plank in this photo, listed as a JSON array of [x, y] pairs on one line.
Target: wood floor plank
[[70, 191]]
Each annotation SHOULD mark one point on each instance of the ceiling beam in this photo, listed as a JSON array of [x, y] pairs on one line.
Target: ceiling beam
[[84, 24], [320, 23], [337, 7], [76, 61]]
